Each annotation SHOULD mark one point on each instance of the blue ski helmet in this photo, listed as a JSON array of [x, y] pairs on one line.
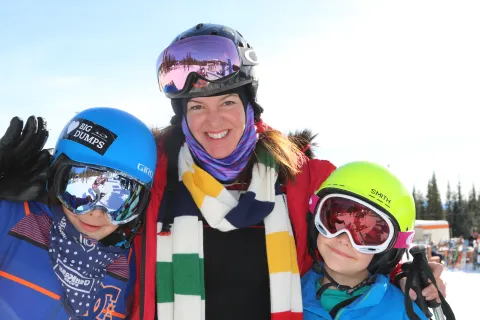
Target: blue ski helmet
[[109, 138]]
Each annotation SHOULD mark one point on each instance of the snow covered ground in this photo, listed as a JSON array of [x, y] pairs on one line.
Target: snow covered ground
[[463, 292]]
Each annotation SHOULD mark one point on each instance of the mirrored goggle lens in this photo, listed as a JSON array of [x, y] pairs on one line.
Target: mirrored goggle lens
[[87, 188], [366, 226], [211, 57]]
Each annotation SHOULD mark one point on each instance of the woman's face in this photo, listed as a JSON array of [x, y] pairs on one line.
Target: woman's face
[[217, 123]]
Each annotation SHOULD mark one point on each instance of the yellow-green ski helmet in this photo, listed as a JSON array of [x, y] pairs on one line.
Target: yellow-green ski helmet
[[378, 186]]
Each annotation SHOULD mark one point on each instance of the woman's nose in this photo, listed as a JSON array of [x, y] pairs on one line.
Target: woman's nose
[[214, 118]]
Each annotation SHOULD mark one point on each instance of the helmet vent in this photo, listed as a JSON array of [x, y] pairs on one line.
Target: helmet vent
[[239, 34], [240, 44], [199, 26], [248, 45], [214, 32]]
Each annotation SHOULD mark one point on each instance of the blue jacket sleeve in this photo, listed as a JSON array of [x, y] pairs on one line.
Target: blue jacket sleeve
[[10, 214]]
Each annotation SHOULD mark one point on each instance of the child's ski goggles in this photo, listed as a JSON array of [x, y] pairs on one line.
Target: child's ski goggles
[[370, 230], [85, 188], [210, 58]]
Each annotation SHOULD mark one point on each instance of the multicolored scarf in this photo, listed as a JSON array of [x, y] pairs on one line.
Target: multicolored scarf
[[79, 262], [180, 278], [228, 168]]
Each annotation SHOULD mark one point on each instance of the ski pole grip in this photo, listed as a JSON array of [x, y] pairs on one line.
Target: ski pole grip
[[420, 251]]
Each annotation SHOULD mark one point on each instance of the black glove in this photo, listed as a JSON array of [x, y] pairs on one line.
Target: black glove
[[23, 162]]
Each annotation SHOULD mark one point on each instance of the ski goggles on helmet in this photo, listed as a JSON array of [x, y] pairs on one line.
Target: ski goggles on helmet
[[370, 230], [85, 188], [209, 58]]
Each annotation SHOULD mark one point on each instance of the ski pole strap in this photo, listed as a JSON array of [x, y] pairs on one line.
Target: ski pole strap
[[447, 310], [418, 273]]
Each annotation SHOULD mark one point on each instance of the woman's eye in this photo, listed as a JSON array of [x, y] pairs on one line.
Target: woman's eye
[[229, 103], [195, 107]]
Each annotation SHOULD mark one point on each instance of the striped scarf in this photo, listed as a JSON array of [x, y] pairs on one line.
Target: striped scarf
[[180, 268]]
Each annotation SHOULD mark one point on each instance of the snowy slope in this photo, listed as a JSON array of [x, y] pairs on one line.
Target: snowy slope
[[463, 293]]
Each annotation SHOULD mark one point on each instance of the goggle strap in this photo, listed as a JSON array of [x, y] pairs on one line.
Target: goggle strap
[[404, 239], [312, 204]]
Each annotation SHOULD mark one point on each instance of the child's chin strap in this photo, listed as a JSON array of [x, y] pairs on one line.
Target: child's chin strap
[[319, 268], [123, 239]]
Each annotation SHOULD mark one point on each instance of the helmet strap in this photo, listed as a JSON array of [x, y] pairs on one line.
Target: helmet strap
[[123, 238], [335, 284]]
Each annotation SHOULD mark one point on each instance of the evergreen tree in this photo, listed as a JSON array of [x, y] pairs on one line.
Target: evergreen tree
[[473, 209], [472, 200], [434, 209], [454, 223], [476, 215], [419, 200], [460, 220], [449, 205], [449, 201]]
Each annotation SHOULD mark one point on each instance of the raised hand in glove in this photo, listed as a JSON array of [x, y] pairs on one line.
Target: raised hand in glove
[[23, 162]]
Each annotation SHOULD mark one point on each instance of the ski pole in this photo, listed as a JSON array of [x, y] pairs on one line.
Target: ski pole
[[420, 251], [438, 313]]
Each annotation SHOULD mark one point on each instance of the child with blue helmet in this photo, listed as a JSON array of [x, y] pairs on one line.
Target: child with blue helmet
[[69, 257]]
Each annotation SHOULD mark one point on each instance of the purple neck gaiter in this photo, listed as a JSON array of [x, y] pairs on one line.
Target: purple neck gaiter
[[228, 168]]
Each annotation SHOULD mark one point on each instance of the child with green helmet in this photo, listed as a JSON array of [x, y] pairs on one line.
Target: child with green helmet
[[361, 223]]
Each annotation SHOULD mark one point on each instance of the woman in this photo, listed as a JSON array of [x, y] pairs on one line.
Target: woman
[[226, 226], [69, 258]]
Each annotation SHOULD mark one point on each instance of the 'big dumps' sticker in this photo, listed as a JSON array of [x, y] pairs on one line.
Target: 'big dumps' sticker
[[90, 135]]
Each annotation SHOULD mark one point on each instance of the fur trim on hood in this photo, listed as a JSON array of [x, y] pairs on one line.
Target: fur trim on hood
[[303, 139]]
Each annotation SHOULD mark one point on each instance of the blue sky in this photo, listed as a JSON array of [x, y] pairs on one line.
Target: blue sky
[[58, 57], [380, 70]]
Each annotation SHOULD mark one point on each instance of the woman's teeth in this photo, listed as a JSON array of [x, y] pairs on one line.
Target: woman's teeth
[[219, 135]]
